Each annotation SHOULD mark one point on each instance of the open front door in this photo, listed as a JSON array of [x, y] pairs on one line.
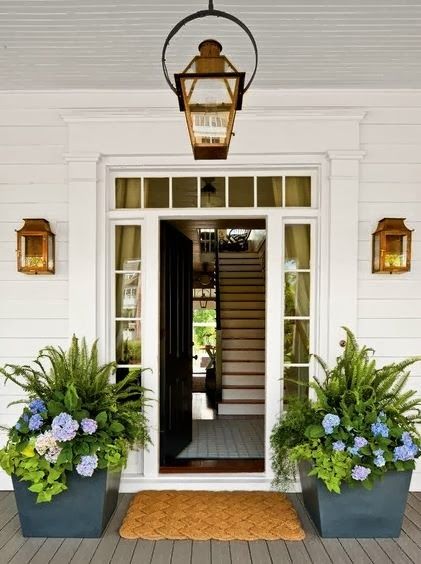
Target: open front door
[[176, 342]]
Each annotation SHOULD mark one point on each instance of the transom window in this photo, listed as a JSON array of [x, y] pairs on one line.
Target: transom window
[[214, 192]]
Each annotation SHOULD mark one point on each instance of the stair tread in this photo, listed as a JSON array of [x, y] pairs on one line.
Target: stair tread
[[242, 387], [242, 401]]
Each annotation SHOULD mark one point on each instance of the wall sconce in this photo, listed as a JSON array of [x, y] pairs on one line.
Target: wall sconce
[[209, 90], [35, 247], [392, 246]]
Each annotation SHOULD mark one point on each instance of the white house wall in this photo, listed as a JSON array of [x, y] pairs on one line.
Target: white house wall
[[34, 311]]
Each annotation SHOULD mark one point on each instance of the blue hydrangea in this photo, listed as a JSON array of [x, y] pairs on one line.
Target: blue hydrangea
[[37, 406], [405, 452], [406, 439], [25, 417], [379, 461], [378, 452], [330, 421], [354, 451], [338, 445], [360, 473], [360, 442], [18, 425], [64, 427], [35, 422], [87, 465], [89, 426], [380, 429]]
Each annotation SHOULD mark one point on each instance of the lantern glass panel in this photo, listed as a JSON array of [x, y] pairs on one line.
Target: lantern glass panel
[[396, 251], [32, 252], [50, 254], [376, 253]]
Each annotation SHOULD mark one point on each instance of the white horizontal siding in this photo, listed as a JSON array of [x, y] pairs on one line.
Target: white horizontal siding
[[389, 306]]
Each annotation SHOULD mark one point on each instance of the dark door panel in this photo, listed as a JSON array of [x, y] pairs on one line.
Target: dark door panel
[[176, 342]]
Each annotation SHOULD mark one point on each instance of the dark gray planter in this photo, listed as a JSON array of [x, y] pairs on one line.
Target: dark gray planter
[[356, 512], [83, 510]]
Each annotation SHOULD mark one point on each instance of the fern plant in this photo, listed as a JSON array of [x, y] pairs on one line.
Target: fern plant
[[361, 424], [74, 418]]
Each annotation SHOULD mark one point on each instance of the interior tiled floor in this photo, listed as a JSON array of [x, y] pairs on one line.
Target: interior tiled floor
[[226, 438]]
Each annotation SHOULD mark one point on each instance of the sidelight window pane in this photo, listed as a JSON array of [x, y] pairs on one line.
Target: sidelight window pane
[[297, 246], [128, 348], [127, 247], [269, 191], [297, 294], [127, 192], [127, 295], [296, 341], [157, 192], [241, 191], [295, 381]]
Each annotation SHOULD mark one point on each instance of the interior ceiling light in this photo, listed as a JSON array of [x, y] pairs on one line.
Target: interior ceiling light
[[210, 89]]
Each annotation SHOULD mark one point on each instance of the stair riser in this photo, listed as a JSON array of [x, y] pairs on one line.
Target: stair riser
[[243, 394], [238, 356], [241, 380], [231, 304], [240, 275], [243, 367], [249, 293], [242, 323], [240, 268], [231, 314], [226, 255], [243, 344], [241, 409], [243, 333]]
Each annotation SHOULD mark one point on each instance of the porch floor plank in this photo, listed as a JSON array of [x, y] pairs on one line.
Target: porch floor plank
[[111, 549]]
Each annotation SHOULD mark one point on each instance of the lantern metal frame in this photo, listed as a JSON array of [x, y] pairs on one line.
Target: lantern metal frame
[[386, 227], [36, 228], [203, 14]]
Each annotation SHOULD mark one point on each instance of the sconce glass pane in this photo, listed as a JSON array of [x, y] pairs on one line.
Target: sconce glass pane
[[376, 253], [241, 191], [297, 294], [296, 374], [184, 192], [50, 252], [127, 192], [212, 192], [32, 252], [396, 251], [297, 246], [128, 347], [296, 341], [157, 192], [128, 295], [127, 247], [269, 191], [298, 191]]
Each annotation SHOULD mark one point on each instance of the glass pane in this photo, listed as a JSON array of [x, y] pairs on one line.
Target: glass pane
[[127, 295], [296, 341], [127, 247], [241, 191], [212, 192], [184, 192], [127, 193], [298, 191], [297, 246], [297, 294], [128, 349], [157, 192], [295, 382], [396, 247], [269, 191]]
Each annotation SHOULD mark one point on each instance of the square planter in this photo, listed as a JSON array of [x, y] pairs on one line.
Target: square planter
[[356, 512], [83, 510]]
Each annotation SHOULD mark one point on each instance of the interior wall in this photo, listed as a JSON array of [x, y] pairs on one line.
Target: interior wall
[[33, 183]]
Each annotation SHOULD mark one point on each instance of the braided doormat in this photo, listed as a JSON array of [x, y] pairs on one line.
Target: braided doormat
[[203, 515]]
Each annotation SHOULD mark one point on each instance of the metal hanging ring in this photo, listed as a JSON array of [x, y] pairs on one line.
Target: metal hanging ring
[[203, 14]]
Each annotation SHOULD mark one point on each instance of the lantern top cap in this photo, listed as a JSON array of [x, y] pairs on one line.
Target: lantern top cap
[[210, 48], [392, 224], [35, 224]]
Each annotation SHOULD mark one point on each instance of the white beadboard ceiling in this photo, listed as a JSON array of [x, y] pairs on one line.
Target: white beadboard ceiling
[[116, 44]]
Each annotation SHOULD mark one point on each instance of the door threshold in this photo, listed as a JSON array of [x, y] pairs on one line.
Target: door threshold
[[214, 465]]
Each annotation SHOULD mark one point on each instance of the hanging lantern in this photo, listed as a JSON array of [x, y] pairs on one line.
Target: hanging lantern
[[35, 247], [210, 91], [391, 246]]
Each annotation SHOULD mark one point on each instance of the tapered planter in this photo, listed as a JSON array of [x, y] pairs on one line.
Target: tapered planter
[[83, 510], [356, 512]]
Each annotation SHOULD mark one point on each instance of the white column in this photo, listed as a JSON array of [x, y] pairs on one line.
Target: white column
[[343, 245], [82, 181]]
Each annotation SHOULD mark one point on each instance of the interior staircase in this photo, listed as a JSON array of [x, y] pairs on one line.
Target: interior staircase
[[242, 300]]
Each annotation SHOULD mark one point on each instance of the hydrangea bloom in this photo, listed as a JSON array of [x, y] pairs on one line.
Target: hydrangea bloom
[[405, 452], [35, 422], [360, 442], [89, 426], [380, 429], [406, 439], [330, 421], [25, 417], [46, 445], [87, 465], [64, 427], [354, 451], [360, 473], [379, 461], [338, 445], [378, 452], [18, 425], [53, 454], [37, 406]]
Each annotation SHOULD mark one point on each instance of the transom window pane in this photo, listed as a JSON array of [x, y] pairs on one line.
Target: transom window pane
[[269, 191], [298, 191], [127, 193], [241, 192], [184, 192], [212, 192], [157, 192]]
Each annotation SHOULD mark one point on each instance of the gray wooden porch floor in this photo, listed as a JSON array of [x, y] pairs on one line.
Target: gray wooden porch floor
[[15, 549]]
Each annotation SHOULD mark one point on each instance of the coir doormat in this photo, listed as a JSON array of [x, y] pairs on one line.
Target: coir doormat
[[203, 515]]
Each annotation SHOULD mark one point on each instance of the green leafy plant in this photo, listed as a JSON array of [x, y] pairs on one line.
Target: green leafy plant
[[361, 424], [74, 419]]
